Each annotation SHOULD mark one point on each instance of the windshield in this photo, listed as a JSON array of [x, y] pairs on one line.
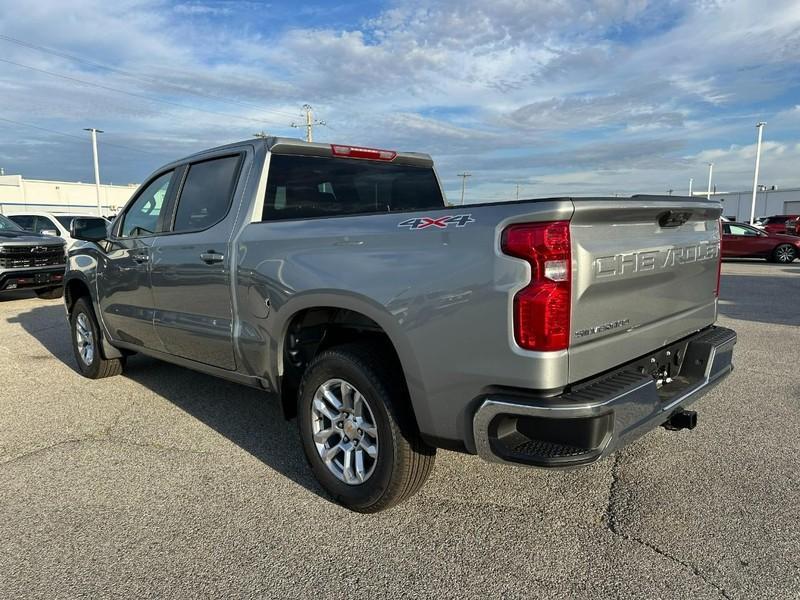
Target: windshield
[[6, 223]]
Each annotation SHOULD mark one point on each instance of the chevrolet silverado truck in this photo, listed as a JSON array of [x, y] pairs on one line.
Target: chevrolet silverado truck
[[29, 261], [545, 332]]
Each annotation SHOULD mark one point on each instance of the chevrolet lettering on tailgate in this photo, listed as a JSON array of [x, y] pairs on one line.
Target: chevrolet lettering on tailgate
[[652, 260]]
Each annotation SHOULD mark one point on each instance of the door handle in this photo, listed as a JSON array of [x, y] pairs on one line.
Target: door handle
[[212, 257], [141, 258]]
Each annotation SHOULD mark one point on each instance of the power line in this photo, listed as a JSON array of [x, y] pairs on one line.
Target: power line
[[134, 94], [138, 77], [77, 137]]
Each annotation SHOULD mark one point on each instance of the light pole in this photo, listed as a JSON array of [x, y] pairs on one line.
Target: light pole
[[760, 127], [691, 181], [96, 167], [710, 171]]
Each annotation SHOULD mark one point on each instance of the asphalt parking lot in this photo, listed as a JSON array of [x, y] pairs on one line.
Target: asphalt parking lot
[[166, 483]]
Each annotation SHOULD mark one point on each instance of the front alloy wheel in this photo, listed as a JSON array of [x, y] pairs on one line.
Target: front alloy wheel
[[86, 343], [344, 431], [84, 339]]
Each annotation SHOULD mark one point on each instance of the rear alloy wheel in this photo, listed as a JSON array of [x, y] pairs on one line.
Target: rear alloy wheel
[[86, 344], [344, 431], [358, 431], [785, 253]]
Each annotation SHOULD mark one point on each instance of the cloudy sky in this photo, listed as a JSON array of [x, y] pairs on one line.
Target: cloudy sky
[[561, 97]]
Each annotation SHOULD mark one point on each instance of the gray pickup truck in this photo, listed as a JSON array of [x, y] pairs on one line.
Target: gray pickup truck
[[29, 261], [544, 332]]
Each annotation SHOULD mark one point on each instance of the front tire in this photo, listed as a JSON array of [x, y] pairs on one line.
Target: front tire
[[50, 293], [784, 254], [86, 338], [357, 429]]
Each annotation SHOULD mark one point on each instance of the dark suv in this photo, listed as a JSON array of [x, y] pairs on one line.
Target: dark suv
[[31, 261]]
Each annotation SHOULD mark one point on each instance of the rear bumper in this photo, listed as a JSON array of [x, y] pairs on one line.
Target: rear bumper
[[600, 416], [32, 278]]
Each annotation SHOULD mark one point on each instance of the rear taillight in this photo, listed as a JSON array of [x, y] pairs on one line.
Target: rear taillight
[[719, 261], [542, 308]]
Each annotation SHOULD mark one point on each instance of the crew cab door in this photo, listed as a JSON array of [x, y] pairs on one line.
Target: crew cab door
[[191, 266], [124, 293]]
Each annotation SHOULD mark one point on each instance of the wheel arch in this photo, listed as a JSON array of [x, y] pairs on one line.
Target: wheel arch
[[344, 313], [77, 287]]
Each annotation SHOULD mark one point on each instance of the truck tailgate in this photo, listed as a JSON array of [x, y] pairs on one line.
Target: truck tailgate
[[645, 275]]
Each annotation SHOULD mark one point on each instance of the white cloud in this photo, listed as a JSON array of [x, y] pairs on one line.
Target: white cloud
[[604, 96]]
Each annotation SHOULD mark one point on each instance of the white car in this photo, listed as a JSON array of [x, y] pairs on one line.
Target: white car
[[48, 223]]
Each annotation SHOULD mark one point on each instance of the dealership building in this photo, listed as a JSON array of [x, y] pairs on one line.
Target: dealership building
[[18, 194], [769, 201]]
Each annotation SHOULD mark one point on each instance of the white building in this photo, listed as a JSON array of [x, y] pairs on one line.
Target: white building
[[768, 202], [22, 195]]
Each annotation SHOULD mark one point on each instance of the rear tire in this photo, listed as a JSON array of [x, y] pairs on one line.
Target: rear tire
[[784, 254], [351, 401], [50, 293], [86, 338]]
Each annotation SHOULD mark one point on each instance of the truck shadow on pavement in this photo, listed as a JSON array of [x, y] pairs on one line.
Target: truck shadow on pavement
[[737, 300], [251, 419]]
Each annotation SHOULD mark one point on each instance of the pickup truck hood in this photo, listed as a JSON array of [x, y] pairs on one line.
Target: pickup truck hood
[[25, 237]]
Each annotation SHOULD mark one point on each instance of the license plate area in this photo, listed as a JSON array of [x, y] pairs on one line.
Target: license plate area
[[41, 278], [666, 368]]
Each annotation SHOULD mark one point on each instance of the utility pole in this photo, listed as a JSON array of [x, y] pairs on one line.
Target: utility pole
[[691, 181], [710, 171], [464, 176], [96, 167], [310, 122], [760, 127], [517, 191]]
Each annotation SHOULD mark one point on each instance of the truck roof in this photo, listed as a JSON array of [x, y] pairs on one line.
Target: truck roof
[[286, 145]]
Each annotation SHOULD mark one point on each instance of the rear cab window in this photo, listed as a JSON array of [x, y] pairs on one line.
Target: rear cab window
[[303, 187]]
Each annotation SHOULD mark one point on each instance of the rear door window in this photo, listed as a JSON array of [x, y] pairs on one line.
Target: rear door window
[[207, 193], [300, 187]]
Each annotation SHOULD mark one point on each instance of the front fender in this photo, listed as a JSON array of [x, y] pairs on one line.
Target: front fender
[[82, 268]]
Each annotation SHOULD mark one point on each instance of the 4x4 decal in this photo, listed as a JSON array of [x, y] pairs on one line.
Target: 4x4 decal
[[438, 222]]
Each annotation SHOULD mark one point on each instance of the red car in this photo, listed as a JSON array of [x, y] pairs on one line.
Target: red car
[[777, 223], [743, 241]]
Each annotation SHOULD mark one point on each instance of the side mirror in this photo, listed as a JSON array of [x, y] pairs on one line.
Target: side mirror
[[88, 229], [50, 232]]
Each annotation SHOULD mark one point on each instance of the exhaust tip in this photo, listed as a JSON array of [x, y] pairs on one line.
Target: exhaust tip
[[684, 419]]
